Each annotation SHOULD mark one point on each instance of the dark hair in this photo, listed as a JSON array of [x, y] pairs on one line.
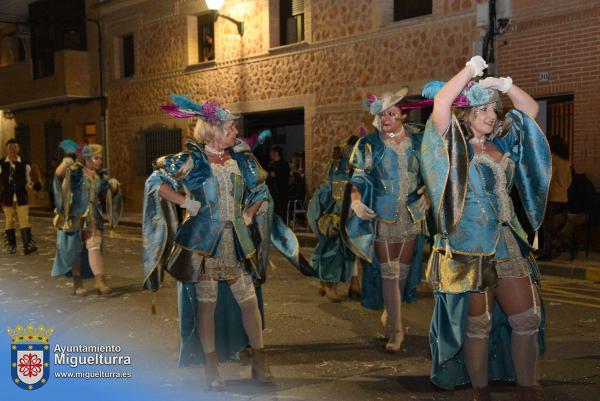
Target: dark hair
[[11, 140], [277, 149], [558, 146]]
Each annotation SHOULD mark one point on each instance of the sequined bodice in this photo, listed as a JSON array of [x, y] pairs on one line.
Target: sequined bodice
[[92, 187], [223, 175], [496, 177], [407, 166]]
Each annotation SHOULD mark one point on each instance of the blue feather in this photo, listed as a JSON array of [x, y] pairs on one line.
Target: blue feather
[[431, 88], [183, 102], [263, 136], [68, 146]]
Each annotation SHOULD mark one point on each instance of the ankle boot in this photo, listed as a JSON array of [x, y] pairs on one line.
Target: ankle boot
[[101, 286], [530, 393], [260, 369], [331, 293], [78, 288], [354, 289], [28, 243], [481, 394], [211, 371], [10, 241]]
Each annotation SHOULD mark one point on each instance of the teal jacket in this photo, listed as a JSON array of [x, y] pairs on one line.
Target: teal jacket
[[464, 210]]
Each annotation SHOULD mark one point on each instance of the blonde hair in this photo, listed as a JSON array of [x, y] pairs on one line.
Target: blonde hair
[[205, 132], [465, 114]]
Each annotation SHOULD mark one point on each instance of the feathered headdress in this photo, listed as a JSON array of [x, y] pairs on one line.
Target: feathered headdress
[[472, 95], [210, 111], [68, 146], [257, 139], [377, 105], [88, 150]]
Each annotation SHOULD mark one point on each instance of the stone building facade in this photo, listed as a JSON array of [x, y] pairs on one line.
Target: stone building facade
[[46, 99], [349, 47]]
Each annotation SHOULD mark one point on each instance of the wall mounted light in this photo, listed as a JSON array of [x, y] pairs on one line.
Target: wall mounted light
[[215, 5]]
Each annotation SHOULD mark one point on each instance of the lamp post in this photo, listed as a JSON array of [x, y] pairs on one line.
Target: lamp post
[[215, 5]]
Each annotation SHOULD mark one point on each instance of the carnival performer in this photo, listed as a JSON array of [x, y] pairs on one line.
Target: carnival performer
[[14, 181], [81, 187], [219, 253], [331, 259], [488, 319], [388, 206]]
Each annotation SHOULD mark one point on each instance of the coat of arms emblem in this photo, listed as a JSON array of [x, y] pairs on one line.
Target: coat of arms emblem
[[30, 355]]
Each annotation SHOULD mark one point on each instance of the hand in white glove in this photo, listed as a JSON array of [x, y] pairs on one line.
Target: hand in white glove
[[501, 84], [191, 205], [362, 211], [477, 64], [423, 203], [114, 184], [68, 161]]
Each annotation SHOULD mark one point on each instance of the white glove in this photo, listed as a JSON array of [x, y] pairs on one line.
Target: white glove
[[191, 205], [68, 161], [501, 84], [362, 211], [477, 64], [114, 184]]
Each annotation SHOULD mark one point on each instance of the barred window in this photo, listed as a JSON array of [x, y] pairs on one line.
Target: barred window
[[154, 142]]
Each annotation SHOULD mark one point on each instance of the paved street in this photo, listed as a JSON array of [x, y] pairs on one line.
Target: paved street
[[318, 350]]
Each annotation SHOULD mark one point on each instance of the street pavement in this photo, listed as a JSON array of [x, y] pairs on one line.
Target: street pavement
[[318, 350]]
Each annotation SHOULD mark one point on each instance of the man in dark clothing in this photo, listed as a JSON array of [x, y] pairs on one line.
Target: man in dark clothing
[[14, 179], [279, 180]]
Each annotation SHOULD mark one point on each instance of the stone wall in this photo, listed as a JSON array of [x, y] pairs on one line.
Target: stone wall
[[327, 76]]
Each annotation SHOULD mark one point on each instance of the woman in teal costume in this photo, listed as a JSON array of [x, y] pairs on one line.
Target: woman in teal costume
[[384, 228], [219, 253], [81, 187], [488, 319], [331, 259]]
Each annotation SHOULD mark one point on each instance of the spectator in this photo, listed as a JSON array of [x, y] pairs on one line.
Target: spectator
[[279, 178], [558, 198]]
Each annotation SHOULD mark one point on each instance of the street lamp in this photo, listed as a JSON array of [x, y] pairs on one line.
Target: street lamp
[[215, 5]]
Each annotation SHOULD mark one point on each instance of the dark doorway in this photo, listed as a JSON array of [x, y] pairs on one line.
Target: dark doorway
[[286, 179], [22, 136], [557, 117], [287, 131], [53, 135]]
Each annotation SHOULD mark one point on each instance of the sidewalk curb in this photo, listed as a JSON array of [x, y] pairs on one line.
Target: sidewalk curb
[[570, 270]]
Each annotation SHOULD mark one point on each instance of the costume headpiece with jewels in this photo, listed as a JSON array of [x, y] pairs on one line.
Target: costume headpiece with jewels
[[377, 105], [88, 150], [473, 95], [210, 111], [30, 333]]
